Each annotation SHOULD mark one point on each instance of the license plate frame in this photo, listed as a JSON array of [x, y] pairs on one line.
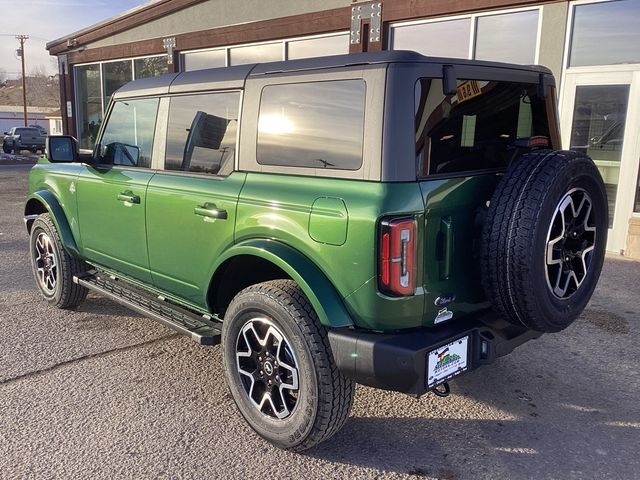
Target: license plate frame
[[447, 361]]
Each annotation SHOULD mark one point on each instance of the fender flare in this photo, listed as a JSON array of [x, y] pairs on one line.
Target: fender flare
[[316, 286], [51, 203]]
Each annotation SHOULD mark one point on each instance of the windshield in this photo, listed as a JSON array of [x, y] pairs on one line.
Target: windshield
[[481, 127]]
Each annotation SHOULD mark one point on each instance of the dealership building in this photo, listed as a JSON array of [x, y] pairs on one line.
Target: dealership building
[[592, 47]]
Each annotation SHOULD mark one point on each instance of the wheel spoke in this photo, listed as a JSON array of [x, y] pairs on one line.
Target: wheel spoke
[[570, 241], [264, 357]]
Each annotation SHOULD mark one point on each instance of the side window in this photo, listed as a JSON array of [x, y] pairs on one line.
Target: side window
[[313, 125], [201, 135], [481, 127], [128, 135]]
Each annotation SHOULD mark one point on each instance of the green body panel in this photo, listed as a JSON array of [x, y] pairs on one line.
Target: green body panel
[[182, 245], [53, 185], [328, 221], [113, 231], [321, 293], [280, 206], [455, 211]]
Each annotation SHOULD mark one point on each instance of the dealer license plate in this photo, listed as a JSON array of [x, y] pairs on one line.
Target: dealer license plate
[[447, 361]]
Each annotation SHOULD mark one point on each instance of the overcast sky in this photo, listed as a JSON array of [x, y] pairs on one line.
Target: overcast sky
[[46, 20]]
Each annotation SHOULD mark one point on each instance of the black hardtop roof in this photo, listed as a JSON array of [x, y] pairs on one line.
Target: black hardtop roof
[[235, 76]]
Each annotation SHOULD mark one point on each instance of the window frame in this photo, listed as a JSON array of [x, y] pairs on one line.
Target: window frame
[[473, 19], [364, 113], [105, 122], [162, 131], [375, 81]]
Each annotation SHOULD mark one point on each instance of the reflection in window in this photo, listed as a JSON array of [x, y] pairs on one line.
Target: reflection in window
[[316, 125], [318, 47], [150, 67], [88, 104], [115, 75], [484, 126], [509, 37], [599, 118], [270, 52], [439, 39], [201, 135], [205, 59], [606, 33], [128, 136]]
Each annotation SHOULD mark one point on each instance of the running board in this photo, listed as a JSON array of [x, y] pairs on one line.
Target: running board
[[202, 329]]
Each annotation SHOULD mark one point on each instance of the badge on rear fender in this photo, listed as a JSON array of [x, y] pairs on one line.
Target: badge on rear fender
[[444, 299]]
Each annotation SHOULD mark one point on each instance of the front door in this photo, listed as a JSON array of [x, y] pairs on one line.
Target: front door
[[601, 118], [112, 191]]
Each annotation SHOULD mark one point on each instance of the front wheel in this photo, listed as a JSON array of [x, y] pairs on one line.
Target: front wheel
[[280, 369], [53, 267], [6, 148]]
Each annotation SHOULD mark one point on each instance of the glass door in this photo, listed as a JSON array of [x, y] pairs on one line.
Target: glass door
[[600, 117]]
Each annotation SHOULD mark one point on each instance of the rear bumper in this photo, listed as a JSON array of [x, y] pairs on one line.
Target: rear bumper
[[398, 361]]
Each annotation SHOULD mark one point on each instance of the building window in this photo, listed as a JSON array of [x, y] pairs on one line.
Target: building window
[[150, 67], [115, 75], [89, 103], [201, 136], [504, 37], [268, 52], [96, 83], [313, 125], [318, 47], [204, 59], [439, 39], [605, 33], [508, 37], [305, 47]]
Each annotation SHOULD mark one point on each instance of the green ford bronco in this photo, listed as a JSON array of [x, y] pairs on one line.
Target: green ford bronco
[[384, 218]]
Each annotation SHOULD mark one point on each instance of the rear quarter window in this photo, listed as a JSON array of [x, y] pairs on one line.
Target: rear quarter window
[[313, 125], [482, 127]]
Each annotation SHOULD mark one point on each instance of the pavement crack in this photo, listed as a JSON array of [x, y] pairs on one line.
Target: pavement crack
[[57, 366]]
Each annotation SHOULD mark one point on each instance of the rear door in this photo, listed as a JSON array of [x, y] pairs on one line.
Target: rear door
[[465, 141], [112, 191], [191, 203]]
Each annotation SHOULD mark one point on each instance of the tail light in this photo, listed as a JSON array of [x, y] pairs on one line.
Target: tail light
[[397, 256]]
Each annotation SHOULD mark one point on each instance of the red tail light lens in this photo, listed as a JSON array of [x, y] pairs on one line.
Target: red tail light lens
[[397, 256]]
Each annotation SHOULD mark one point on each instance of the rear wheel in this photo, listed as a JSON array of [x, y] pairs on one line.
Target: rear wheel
[[544, 239], [53, 267], [280, 369]]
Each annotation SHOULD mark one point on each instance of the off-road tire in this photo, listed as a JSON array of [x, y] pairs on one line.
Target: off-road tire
[[325, 396], [516, 237], [66, 294], [6, 148]]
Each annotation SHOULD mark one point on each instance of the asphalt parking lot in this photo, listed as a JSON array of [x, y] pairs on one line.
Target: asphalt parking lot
[[104, 393]]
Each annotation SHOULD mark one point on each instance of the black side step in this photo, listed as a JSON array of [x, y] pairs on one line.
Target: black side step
[[201, 329]]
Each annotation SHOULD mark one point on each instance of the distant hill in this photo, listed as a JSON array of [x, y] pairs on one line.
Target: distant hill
[[42, 91]]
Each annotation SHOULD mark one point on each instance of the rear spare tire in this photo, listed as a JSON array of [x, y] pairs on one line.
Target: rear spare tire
[[544, 239]]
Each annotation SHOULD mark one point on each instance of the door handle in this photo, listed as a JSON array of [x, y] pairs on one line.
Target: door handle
[[445, 247], [128, 197], [210, 211]]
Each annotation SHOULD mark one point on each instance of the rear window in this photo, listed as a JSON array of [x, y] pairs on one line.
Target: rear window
[[482, 127], [314, 125], [27, 131]]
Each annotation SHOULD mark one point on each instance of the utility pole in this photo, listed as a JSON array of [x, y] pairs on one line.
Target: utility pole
[[21, 39]]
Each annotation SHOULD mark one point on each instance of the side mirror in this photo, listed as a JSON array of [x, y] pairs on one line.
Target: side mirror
[[62, 149], [6, 133]]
